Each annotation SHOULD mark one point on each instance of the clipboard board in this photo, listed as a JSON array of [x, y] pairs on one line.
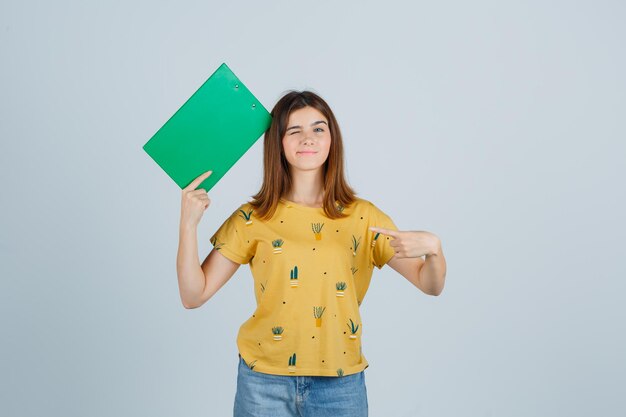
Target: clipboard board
[[210, 131]]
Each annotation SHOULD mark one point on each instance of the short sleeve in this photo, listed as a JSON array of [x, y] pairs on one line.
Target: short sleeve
[[233, 237], [381, 251]]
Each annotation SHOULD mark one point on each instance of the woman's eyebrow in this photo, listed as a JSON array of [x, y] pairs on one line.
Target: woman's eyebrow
[[312, 124]]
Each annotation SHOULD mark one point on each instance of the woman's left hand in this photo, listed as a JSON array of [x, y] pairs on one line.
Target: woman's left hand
[[410, 244]]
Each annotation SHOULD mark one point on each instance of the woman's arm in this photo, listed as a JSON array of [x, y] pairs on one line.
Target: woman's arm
[[191, 279], [428, 275], [198, 283], [432, 275]]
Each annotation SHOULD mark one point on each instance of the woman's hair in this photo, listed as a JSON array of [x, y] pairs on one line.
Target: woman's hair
[[276, 175]]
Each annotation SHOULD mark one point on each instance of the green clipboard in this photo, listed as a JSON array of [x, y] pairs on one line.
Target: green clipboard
[[210, 131]]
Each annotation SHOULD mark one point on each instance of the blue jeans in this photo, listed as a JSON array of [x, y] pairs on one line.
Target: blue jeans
[[267, 395]]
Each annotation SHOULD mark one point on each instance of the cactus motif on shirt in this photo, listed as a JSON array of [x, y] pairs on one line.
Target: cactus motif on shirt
[[317, 313], [292, 363], [353, 329], [277, 244], [355, 244], [250, 365], [293, 277], [246, 216], [376, 234], [341, 286], [217, 246], [339, 372], [317, 230], [277, 331]]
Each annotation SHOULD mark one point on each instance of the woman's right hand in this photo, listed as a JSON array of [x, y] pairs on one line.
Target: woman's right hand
[[194, 202]]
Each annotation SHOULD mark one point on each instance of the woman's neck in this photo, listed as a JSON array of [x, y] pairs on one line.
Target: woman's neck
[[318, 202], [307, 190]]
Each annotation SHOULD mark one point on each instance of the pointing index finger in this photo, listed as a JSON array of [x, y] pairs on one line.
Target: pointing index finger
[[193, 184], [388, 232]]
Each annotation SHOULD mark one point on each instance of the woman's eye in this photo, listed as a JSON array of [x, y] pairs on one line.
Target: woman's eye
[[320, 129]]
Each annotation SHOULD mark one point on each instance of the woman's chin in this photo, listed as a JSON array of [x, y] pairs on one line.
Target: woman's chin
[[307, 167]]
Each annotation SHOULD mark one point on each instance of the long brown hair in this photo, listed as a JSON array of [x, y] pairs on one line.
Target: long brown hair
[[277, 179]]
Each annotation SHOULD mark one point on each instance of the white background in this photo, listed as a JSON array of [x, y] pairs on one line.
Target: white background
[[496, 125]]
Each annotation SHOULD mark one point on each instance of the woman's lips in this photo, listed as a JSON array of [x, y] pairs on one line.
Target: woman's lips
[[307, 153]]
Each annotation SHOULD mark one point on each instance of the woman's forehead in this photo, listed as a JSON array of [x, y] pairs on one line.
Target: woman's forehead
[[306, 115]]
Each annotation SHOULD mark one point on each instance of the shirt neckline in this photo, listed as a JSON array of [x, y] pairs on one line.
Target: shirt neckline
[[290, 203]]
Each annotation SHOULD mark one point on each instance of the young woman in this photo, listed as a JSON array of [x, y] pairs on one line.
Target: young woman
[[312, 245]]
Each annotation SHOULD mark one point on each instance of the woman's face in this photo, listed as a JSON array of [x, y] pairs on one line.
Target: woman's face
[[307, 139]]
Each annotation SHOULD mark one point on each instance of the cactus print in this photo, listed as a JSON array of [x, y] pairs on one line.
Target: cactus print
[[311, 274]]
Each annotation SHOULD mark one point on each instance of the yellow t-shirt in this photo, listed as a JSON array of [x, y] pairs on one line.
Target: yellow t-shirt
[[310, 276]]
